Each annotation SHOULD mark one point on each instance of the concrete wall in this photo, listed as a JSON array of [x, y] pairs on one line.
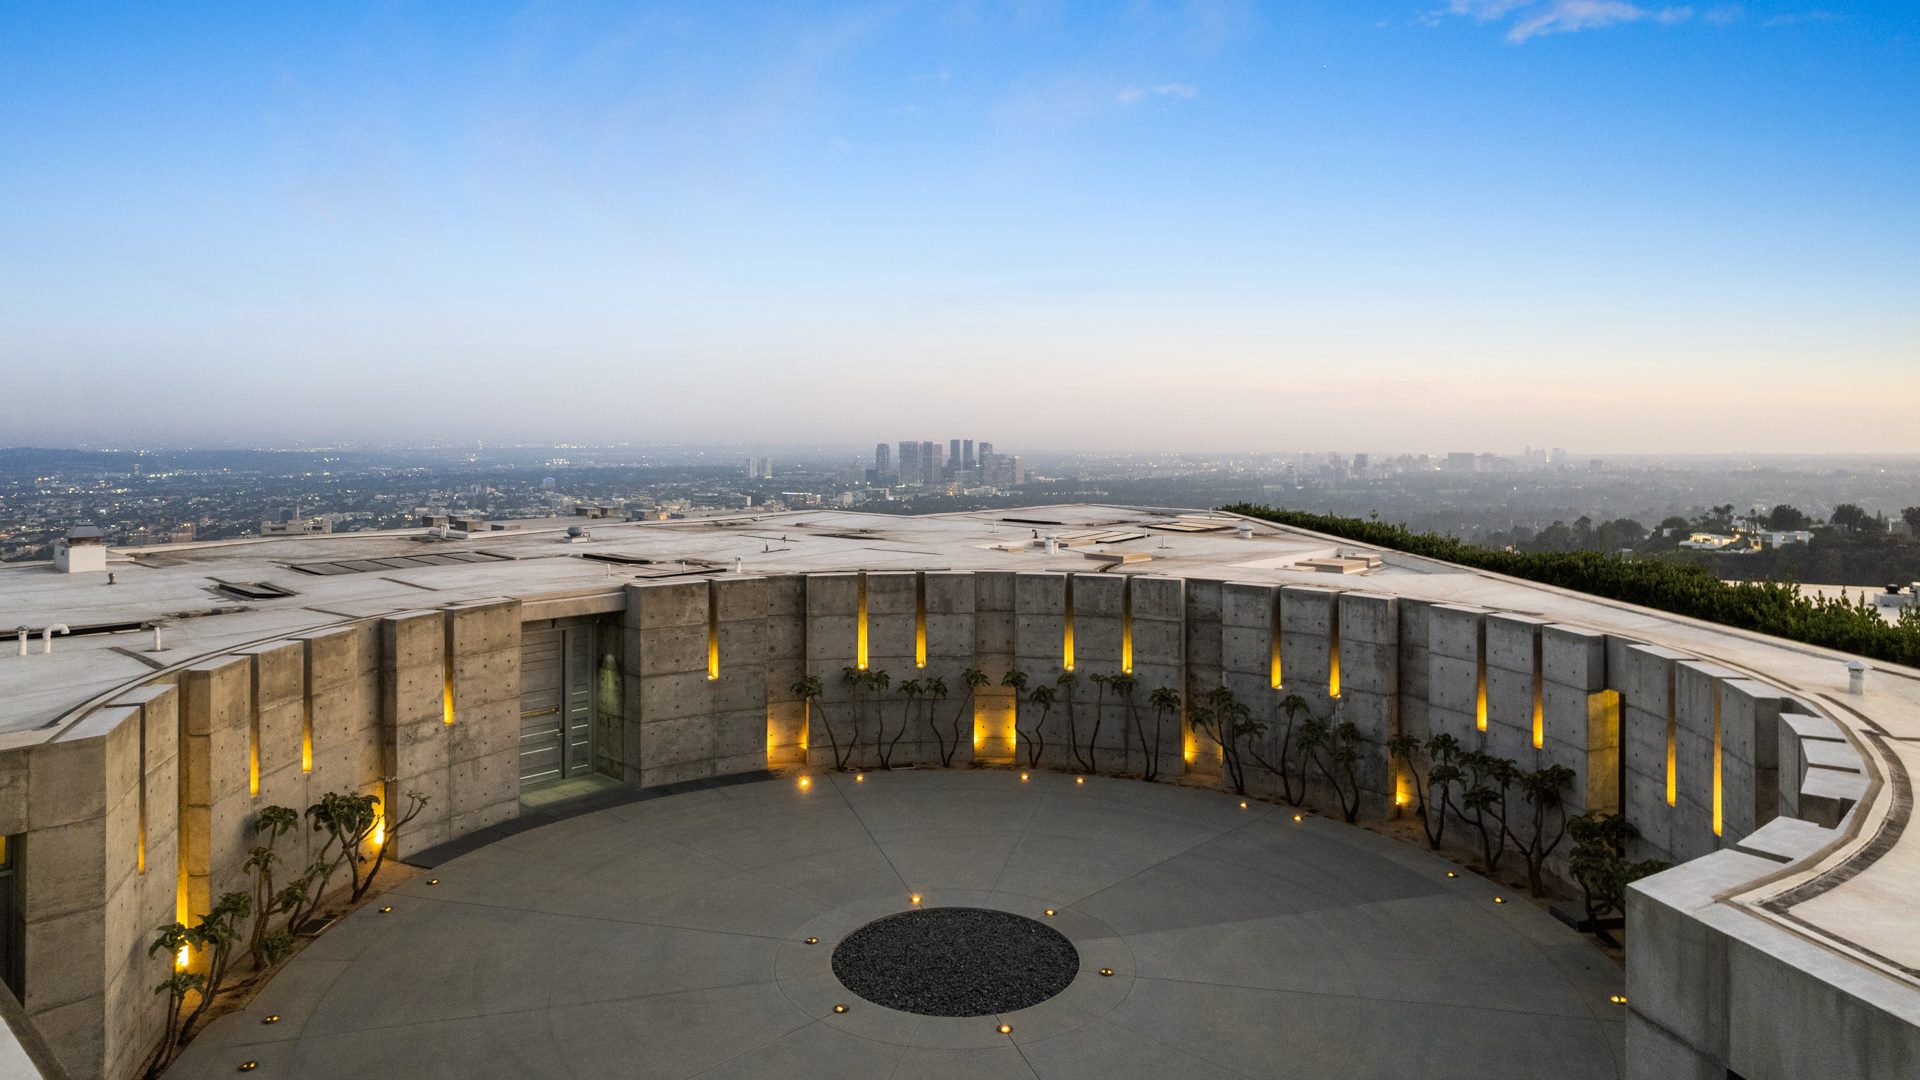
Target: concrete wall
[[143, 812]]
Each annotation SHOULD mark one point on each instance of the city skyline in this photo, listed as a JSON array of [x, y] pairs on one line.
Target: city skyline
[[1623, 227]]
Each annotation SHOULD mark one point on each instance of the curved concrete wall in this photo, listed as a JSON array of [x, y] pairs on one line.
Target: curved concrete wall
[[142, 813]]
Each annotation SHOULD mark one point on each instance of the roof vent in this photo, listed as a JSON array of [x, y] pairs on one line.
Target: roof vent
[[82, 550]]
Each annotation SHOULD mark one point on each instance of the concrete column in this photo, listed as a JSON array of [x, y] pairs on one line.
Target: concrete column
[[739, 695], [1039, 635], [1697, 706], [666, 644], [1512, 668], [832, 605], [76, 886], [1454, 672], [1159, 604], [1581, 716], [950, 643], [786, 665], [413, 686], [1750, 756], [1370, 692], [1644, 676], [215, 805], [1247, 613], [344, 709], [483, 745], [993, 619]]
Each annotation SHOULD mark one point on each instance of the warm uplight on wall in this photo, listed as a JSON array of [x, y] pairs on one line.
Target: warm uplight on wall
[[182, 958], [1716, 761], [860, 623], [1126, 626], [919, 620], [1275, 675], [446, 671], [253, 734], [1539, 695], [1333, 648], [306, 707], [379, 836], [1673, 736], [713, 630], [1066, 629], [1480, 680]]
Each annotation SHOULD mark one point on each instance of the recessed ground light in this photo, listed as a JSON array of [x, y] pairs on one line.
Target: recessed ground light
[[805, 781], [1006, 1029], [1299, 817], [387, 909], [1243, 804], [433, 881], [1023, 778], [813, 941], [1499, 899], [1079, 779], [249, 1066], [1452, 874], [1618, 999], [270, 1018], [859, 778], [1050, 911], [839, 1008], [1106, 971], [915, 898]]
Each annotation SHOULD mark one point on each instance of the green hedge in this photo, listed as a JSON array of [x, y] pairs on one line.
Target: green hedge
[[1683, 588]]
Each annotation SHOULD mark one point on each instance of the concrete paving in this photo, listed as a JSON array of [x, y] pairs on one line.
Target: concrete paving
[[666, 939]]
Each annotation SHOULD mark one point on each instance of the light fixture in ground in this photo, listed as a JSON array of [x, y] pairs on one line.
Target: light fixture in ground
[[386, 909], [1006, 1029], [1243, 804], [270, 1018], [249, 1066], [1299, 817], [1079, 779], [1452, 874], [839, 1008], [1618, 999], [859, 778], [1106, 971], [1051, 912], [433, 881], [1499, 899], [915, 898], [806, 781], [813, 941], [1023, 778]]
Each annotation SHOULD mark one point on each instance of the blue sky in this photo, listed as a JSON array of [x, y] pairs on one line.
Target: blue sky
[[1459, 224]]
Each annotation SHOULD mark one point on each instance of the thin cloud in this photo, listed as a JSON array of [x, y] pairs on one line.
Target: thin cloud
[[1529, 19], [1133, 95]]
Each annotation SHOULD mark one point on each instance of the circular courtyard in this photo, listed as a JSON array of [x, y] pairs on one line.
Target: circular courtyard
[[1117, 929]]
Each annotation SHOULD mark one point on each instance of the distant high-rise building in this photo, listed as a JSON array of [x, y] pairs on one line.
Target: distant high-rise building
[[910, 470], [753, 468], [929, 463], [986, 451], [966, 451], [1558, 456], [882, 463], [953, 455]]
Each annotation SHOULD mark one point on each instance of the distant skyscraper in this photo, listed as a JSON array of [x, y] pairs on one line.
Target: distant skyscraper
[[929, 463], [967, 455], [986, 451], [882, 463], [910, 471], [753, 468], [953, 454]]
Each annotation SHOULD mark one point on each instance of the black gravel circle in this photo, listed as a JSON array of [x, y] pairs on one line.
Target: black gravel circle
[[956, 962]]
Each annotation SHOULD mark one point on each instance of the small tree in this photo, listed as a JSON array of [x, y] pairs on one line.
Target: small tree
[[1228, 722], [1043, 696], [911, 690], [1488, 778], [350, 819], [1164, 700], [878, 682], [935, 689], [1100, 684], [178, 986], [1291, 706], [1335, 748], [1068, 682], [1444, 751], [214, 937], [809, 691], [1407, 750], [1599, 864], [855, 680], [973, 679], [1547, 815], [264, 945]]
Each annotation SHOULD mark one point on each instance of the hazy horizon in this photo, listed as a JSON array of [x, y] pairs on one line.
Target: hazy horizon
[[1619, 228]]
